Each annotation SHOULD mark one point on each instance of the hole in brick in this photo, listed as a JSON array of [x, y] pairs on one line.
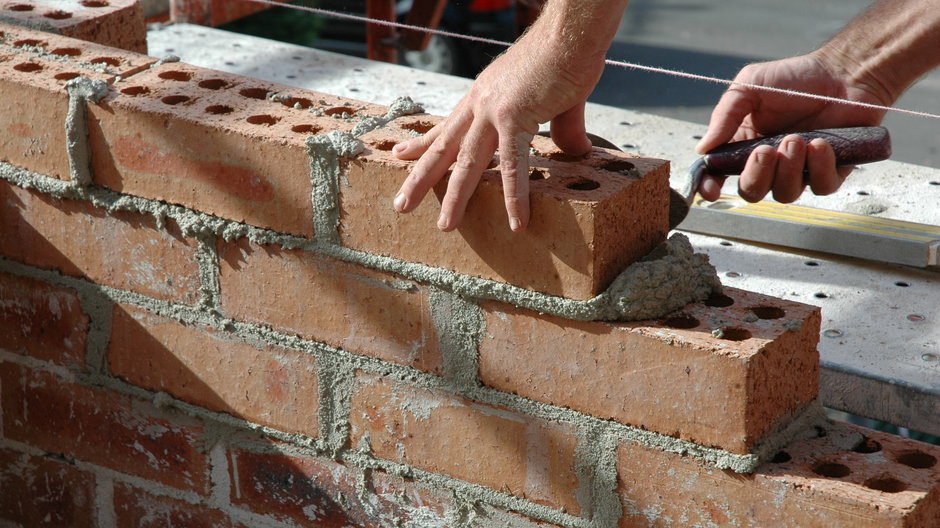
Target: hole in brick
[[134, 91], [175, 75], [583, 184], [917, 459], [821, 431], [58, 14], [28, 67], [213, 84], [781, 458], [537, 174], [885, 484], [254, 93], [313, 129], [831, 470], [29, 42], [719, 300], [867, 446], [262, 119], [735, 334], [175, 99], [94, 3], [219, 109], [297, 102], [110, 61], [66, 76], [768, 312], [561, 156], [20, 7], [421, 127], [682, 322], [618, 166], [67, 52], [340, 110], [385, 145]]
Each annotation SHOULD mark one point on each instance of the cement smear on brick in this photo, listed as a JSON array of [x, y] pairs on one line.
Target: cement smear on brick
[[81, 91]]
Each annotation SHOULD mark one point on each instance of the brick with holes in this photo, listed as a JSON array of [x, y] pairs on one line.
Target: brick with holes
[[34, 68], [720, 373], [115, 23], [847, 478], [591, 216], [215, 142]]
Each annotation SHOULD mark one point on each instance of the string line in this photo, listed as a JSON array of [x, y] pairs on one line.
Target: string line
[[619, 64]]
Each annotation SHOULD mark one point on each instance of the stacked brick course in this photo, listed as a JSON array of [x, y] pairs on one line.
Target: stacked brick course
[[214, 320]]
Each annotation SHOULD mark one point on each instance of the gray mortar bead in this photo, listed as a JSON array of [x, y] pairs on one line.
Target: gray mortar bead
[[81, 91]]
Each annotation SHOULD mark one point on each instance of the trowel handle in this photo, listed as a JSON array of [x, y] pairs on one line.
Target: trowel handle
[[853, 146]]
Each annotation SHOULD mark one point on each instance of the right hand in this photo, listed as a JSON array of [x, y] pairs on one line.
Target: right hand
[[746, 113]]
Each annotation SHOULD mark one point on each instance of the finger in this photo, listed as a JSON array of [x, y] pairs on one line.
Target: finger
[[725, 120], [569, 133], [758, 174], [476, 153], [821, 161], [791, 160], [435, 161], [710, 188], [514, 169], [413, 148]]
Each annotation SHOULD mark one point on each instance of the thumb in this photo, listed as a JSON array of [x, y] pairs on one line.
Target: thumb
[[568, 131], [731, 110]]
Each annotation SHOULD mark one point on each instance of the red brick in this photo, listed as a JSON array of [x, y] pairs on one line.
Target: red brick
[[103, 428], [262, 384], [42, 321], [210, 141], [441, 433], [577, 242], [119, 249], [41, 491], [671, 376], [308, 490], [213, 12], [814, 484], [116, 23], [135, 508], [330, 301]]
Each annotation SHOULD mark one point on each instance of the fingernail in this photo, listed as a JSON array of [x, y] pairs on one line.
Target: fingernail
[[399, 203], [792, 147], [442, 222], [514, 224], [398, 148]]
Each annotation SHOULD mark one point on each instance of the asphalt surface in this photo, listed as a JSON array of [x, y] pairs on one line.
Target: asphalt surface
[[718, 38]]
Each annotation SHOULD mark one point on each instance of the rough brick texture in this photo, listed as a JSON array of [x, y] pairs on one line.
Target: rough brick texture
[[101, 427], [44, 491], [214, 142], [447, 434], [671, 376], [175, 369], [864, 480], [42, 321], [119, 249], [296, 292], [262, 384], [115, 23], [212, 12], [590, 217]]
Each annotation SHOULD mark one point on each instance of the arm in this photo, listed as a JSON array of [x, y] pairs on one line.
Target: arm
[[874, 59], [545, 76]]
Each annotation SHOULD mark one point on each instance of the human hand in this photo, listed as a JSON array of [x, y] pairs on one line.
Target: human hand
[[535, 81], [745, 113]]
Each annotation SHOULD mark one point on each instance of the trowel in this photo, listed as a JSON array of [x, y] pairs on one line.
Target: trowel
[[852, 146]]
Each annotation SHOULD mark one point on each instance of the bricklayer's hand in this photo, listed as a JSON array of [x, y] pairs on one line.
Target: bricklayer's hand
[[746, 113], [539, 79]]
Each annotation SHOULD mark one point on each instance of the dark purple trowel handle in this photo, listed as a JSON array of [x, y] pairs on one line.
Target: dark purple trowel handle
[[853, 146]]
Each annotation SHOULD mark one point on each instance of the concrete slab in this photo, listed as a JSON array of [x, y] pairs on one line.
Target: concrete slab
[[880, 344]]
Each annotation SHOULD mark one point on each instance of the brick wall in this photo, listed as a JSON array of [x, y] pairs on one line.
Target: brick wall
[[210, 316]]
